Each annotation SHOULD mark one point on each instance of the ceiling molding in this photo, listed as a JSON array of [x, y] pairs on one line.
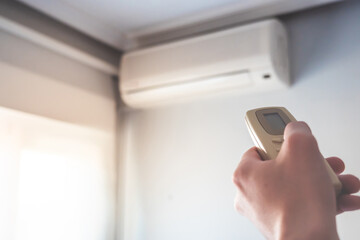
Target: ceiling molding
[[56, 46], [40, 29], [214, 20], [131, 26], [80, 20]]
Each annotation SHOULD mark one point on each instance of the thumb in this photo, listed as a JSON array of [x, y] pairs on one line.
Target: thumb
[[299, 140], [296, 128]]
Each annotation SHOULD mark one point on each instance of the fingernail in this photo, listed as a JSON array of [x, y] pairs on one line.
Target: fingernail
[[295, 127]]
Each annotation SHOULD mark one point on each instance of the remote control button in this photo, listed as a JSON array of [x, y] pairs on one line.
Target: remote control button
[[278, 140]]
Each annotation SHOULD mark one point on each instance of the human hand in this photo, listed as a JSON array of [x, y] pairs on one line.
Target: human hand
[[291, 197]]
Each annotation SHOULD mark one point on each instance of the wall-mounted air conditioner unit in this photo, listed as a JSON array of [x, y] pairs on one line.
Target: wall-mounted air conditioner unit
[[242, 59]]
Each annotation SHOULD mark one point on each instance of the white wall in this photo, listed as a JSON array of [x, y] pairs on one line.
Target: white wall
[[182, 157]]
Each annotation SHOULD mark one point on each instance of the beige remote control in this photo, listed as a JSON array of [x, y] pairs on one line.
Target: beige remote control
[[266, 127]]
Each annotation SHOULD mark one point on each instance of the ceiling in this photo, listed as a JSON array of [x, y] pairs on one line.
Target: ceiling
[[119, 23]]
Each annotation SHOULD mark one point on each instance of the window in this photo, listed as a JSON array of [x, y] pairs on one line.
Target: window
[[56, 180]]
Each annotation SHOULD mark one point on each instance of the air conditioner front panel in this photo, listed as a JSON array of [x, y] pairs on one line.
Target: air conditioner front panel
[[191, 57], [245, 49]]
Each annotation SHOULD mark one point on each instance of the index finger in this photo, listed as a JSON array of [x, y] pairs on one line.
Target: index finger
[[249, 159], [251, 155]]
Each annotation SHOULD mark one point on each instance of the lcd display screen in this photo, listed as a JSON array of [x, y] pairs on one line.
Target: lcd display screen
[[275, 121]]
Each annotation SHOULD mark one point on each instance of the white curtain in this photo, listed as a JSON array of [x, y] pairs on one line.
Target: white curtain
[[56, 180]]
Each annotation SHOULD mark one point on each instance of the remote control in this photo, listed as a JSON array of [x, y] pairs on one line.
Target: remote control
[[266, 127]]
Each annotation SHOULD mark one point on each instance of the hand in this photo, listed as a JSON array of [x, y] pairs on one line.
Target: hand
[[291, 197]]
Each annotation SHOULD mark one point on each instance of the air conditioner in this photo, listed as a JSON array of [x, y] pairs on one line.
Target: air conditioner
[[244, 59]]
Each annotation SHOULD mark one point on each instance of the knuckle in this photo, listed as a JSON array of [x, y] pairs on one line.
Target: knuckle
[[241, 174], [235, 178], [238, 177]]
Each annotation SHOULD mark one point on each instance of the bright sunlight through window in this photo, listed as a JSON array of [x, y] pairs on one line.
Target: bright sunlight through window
[[57, 181]]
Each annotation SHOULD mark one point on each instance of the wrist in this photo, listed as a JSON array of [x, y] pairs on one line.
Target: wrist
[[310, 234], [310, 229]]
